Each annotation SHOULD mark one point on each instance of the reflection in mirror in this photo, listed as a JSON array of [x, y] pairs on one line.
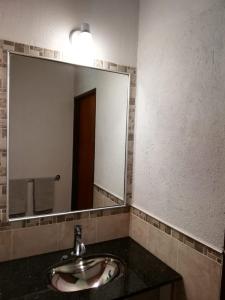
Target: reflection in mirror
[[67, 137]]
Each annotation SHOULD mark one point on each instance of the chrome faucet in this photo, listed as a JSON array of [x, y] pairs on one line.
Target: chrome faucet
[[79, 247]]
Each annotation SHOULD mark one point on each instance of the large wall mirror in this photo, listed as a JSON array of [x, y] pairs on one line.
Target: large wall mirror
[[67, 137]]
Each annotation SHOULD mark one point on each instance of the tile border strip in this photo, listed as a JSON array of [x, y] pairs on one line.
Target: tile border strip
[[110, 196], [63, 218], [57, 55], [188, 241]]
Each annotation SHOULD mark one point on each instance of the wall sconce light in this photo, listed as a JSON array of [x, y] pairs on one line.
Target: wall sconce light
[[82, 44]]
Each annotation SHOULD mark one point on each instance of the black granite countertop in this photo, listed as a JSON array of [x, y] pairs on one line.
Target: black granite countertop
[[25, 279]]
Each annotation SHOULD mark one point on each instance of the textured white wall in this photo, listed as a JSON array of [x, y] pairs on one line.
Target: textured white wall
[[47, 23], [179, 171]]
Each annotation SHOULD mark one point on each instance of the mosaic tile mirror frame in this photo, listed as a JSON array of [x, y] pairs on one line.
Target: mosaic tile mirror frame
[[5, 48]]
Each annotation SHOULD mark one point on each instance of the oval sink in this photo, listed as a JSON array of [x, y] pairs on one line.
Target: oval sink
[[85, 273]]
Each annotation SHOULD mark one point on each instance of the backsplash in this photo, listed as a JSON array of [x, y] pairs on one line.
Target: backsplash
[[57, 233]]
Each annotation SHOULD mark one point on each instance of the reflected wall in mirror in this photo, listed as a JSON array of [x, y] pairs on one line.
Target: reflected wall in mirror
[[67, 137]]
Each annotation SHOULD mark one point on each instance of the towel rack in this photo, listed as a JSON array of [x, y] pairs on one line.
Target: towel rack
[[56, 178]]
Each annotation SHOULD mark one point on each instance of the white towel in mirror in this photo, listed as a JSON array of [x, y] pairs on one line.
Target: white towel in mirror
[[44, 193], [17, 196]]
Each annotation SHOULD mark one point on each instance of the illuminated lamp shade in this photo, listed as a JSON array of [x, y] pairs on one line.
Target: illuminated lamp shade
[[82, 44]]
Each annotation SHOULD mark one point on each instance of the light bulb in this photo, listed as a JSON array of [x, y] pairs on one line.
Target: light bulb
[[82, 44]]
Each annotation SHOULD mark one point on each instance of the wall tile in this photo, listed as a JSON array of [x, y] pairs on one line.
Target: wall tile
[[98, 202], [35, 240], [201, 275], [66, 235], [105, 198], [112, 227], [101, 200], [139, 230], [163, 246]]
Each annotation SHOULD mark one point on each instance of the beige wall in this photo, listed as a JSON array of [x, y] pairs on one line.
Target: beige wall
[[101, 199]]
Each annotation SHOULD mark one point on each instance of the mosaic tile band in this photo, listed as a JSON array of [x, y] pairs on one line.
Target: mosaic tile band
[[190, 242], [108, 195]]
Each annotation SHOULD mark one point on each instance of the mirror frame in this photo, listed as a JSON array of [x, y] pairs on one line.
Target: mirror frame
[[129, 131]]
